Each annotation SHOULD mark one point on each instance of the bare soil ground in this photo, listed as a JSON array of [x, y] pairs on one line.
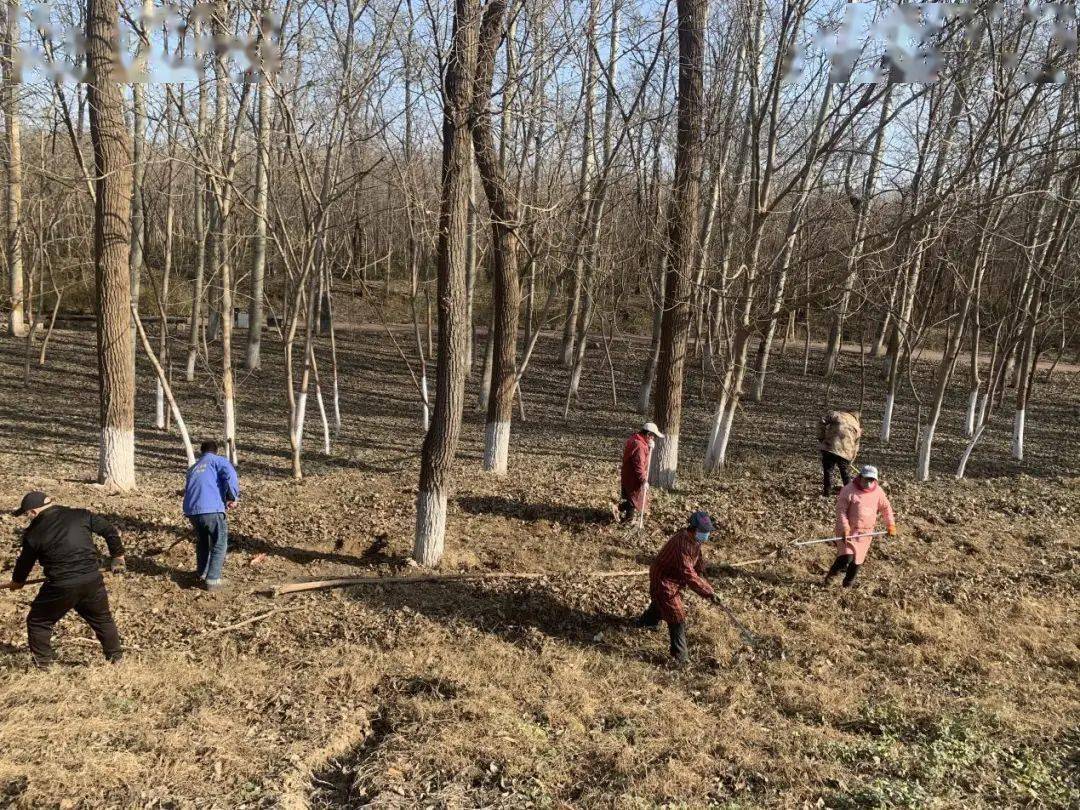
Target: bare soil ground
[[949, 679]]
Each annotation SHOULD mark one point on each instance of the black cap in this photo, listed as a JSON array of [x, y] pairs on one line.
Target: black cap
[[31, 500], [701, 522]]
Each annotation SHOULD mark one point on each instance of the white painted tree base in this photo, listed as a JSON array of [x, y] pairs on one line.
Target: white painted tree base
[[230, 430], [159, 407], [961, 468], [116, 461], [922, 469], [426, 401], [325, 424], [575, 381], [886, 419], [717, 455], [430, 528], [664, 462], [712, 458], [301, 415], [496, 447], [337, 409], [1018, 436], [972, 408]]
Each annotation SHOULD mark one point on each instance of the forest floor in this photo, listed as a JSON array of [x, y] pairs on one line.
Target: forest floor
[[951, 678]]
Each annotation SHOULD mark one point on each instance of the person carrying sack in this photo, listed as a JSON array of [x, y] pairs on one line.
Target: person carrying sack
[[839, 433]]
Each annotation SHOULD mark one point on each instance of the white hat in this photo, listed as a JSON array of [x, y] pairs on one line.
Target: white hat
[[650, 427], [868, 471]]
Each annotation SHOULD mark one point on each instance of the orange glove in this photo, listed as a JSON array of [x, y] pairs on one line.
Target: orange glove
[[892, 530]]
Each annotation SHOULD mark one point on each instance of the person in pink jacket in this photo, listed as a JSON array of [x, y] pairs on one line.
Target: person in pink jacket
[[857, 508]]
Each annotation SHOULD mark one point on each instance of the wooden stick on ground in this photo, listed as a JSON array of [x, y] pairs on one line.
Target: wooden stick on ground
[[256, 618], [344, 582], [154, 552]]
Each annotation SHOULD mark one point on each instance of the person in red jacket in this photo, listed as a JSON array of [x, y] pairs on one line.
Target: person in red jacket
[[680, 564], [634, 476]]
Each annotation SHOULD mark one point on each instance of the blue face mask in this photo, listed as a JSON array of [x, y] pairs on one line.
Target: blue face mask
[[702, 537]]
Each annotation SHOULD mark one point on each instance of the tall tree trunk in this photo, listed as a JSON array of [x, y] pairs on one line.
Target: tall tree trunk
[[160, 415], [441, 440], [112, 244], [1028, 359], [470, 280], [258, 262], [13, 136], [506, 287], [683, 242], [759, 168], [952, 351], [195, 326], [222, 198], [645, 392], [577, 280], [136, 258]]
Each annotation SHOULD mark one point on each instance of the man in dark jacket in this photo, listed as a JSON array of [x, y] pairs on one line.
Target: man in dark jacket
[[634, 474], [210, 488], [680, 564], [59, 538]]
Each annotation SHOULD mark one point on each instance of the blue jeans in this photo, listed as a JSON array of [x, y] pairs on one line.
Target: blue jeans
[[211, 541]]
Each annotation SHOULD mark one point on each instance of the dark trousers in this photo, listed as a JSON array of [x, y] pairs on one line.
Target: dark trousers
[[676, 631], [845, 563], [828, 461], [53, 602], [626, 508], [211, 543]]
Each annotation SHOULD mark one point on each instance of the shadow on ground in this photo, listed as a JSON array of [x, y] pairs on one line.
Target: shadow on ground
[[520, 510]]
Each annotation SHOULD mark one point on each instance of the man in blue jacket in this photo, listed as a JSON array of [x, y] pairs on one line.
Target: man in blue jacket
[[211, 489]]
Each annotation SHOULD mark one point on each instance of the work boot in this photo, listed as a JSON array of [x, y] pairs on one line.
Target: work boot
[[677, 634], [211, 587], [650, 619]]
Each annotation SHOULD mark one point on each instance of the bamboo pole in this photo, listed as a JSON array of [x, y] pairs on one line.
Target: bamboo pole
[[345, 582]]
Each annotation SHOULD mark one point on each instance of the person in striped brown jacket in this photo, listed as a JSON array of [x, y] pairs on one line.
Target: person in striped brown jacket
[[680, 564]]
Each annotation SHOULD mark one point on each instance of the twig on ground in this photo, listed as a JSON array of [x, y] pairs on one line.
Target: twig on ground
[[251, 620]]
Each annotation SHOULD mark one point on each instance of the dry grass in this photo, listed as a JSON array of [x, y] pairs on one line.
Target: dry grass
[[949, 679]]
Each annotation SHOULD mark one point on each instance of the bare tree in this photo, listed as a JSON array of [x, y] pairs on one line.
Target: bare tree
[[13, 142], [112, 244], [683, 242], [195, 326], [440, 443], [136, 258], [506, 297], [262, 168]]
